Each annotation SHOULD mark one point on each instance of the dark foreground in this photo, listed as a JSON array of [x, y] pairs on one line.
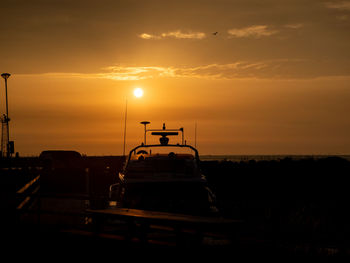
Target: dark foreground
[[289, 208]]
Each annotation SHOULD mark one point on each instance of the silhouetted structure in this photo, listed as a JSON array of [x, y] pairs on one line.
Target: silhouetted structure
[[170, 181], [9, 149], [4, 136]]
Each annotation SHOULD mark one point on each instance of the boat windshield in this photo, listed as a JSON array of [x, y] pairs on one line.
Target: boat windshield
[[157, 149], [161, 164], [158, 160]]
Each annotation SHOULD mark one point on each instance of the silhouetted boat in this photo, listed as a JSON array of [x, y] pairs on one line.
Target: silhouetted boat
[[160, 177]]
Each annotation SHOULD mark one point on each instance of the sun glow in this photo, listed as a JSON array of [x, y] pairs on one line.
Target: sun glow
[[138, 92]]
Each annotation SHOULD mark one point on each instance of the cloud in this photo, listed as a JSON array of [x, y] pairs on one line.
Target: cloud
[[220, 71], [136, 73], [255, 31], [174, 34], [236, 70], [266, 69], [342, 5], [148, 36], [179, 34], [210, 71]]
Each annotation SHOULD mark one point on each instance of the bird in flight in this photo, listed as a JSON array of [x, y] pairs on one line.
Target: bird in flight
[[215, 33]]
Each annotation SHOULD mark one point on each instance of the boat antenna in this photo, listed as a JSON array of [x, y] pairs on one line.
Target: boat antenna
[[195, 135], [145, 123], [125, 117]]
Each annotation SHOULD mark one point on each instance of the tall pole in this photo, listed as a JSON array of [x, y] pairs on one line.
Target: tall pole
[[183, 135], [7, 107], [5, 77], [126, 114], [7, 120], [195, 135]]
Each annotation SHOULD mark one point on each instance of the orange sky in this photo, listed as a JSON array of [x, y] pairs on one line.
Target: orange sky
[[274, 80]]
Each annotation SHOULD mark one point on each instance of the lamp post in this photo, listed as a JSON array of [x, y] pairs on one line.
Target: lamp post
[[5, 77], [145, 123]]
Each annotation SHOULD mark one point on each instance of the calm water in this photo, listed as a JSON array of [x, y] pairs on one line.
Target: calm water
[[246, 158]]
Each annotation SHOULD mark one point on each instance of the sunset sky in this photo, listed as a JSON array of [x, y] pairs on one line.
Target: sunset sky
[[275, 79]]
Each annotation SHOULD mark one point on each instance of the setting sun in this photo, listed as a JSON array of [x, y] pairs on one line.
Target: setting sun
[[138, 92]]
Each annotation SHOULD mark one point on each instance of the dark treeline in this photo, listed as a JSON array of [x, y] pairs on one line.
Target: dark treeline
[[282, 179], [304, 199]]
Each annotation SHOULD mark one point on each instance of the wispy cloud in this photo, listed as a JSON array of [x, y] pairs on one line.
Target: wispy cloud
[[179, 34], [174, 34], [130, 73], [136, 73], [267, 69], [211, 71], [220, 71], [256, 31], [236, 70], [148, 36], [340, 5]]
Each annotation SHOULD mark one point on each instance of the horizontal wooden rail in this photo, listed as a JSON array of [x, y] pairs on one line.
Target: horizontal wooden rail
[[180, 224]]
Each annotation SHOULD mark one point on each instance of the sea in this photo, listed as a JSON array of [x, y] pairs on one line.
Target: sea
[[247, 158]]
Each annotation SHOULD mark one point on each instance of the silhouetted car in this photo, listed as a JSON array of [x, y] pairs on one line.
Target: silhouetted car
[[63, 172]]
